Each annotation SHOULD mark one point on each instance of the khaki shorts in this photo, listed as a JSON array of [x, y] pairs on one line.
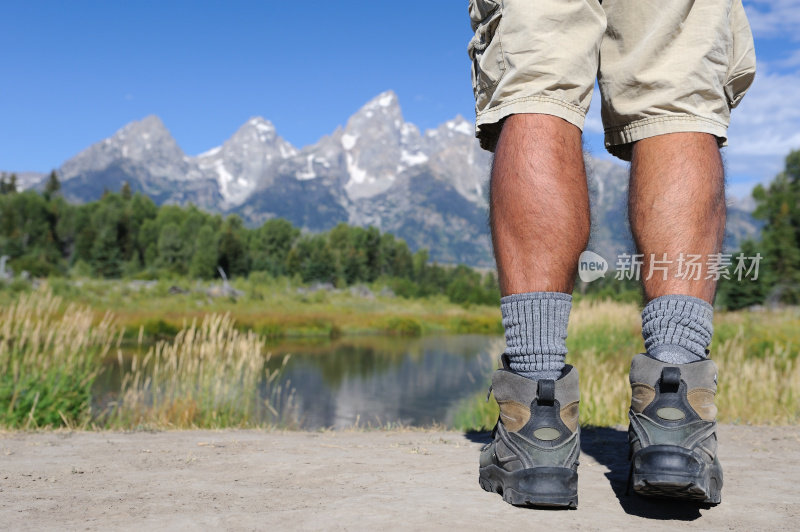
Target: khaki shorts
[[662, 67]]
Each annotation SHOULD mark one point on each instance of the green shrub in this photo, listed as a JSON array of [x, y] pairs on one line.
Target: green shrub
[[403, 326], [159, 329]]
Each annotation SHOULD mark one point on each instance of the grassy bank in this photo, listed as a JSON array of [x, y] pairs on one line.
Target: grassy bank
[[273, 308], [756, 353]]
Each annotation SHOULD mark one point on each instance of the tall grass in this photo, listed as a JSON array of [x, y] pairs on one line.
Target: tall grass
[[756, 354], [49, 360], [211, 375]]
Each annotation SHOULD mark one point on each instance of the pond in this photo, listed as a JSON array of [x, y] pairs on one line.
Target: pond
[[368, 380]]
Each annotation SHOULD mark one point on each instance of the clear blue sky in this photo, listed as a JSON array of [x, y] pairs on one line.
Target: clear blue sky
[[72, 73]]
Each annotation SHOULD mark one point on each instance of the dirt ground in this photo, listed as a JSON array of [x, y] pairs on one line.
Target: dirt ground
[[256, 480]]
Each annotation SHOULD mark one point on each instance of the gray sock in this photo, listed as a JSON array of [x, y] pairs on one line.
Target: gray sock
[[677, 329], [536, 330]]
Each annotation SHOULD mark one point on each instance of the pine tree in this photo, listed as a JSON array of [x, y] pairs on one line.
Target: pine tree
[[170, 248], [270, 244], [204, 260], [779, 205], [106, 257], [233, 256], [107, 247], [52, 186], [8, 186]]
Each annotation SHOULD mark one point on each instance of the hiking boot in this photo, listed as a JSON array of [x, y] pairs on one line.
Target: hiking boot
[[672, 433], [533, 459]]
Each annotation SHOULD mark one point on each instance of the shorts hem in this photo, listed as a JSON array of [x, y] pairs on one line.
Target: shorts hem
[[619, 140], [487, 123]]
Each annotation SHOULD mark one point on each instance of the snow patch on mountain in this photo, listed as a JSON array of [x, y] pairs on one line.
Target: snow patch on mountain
[[385, 99], [349, 141], [224, 178], [210, 153], [308, 171], [357, 175], [459, 125], [413, 159]]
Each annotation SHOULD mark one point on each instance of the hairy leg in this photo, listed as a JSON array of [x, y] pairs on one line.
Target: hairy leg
[[677, 205], [539, 204], [677, 209]]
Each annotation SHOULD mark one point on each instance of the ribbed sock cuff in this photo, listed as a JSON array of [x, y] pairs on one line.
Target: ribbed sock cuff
[[677, 329], [536, 331]]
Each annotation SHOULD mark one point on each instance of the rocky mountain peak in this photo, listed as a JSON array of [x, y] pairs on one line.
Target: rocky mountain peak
[[450, 129], [145, 138], [457, 158], [245, 161], [148, 124], [381, 115], [257, 129], [145, 141], [384, 104], [379, 144]]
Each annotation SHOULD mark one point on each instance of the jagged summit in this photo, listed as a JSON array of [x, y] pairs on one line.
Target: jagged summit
[[377, 169], [261, 127], [148, 123], [385, 100], [144, 143], [245, 161]]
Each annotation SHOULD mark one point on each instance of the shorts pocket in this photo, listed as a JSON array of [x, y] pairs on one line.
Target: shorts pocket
[[737, 85], [485, 49], [742, 57]]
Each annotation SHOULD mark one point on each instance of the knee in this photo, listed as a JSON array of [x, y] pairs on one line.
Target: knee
[[536, 128]]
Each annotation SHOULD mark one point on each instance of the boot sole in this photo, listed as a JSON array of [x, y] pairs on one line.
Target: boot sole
[[672, 472], [540, 486]]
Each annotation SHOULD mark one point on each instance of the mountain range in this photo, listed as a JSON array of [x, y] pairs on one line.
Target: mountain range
[[429, 188]]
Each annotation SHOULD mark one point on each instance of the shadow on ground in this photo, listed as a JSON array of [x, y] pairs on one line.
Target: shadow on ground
[[609, 447]]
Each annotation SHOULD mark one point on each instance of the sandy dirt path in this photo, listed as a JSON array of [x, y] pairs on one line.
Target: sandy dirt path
[[423, 480]]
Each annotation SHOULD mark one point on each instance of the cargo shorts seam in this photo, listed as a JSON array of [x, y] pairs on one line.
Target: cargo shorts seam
[[534, 99], [659, 119]]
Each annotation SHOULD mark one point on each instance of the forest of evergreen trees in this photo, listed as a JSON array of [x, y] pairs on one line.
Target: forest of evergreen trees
[[778, 205], [127, 235]]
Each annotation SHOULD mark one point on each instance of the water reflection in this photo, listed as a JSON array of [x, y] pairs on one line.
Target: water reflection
[[380, 380], [369, 380]]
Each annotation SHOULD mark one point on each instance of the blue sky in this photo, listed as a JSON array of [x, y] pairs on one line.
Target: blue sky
[[72, 73]]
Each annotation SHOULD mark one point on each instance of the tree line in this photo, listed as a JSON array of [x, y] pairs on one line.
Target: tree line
[[127, 235]]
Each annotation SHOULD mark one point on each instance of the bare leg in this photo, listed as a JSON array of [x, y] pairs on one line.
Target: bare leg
[[539, 204], [677, 205]]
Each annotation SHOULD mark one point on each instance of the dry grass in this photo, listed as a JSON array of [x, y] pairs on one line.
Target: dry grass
[[49, 360], [210, 376], [756, 354]]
